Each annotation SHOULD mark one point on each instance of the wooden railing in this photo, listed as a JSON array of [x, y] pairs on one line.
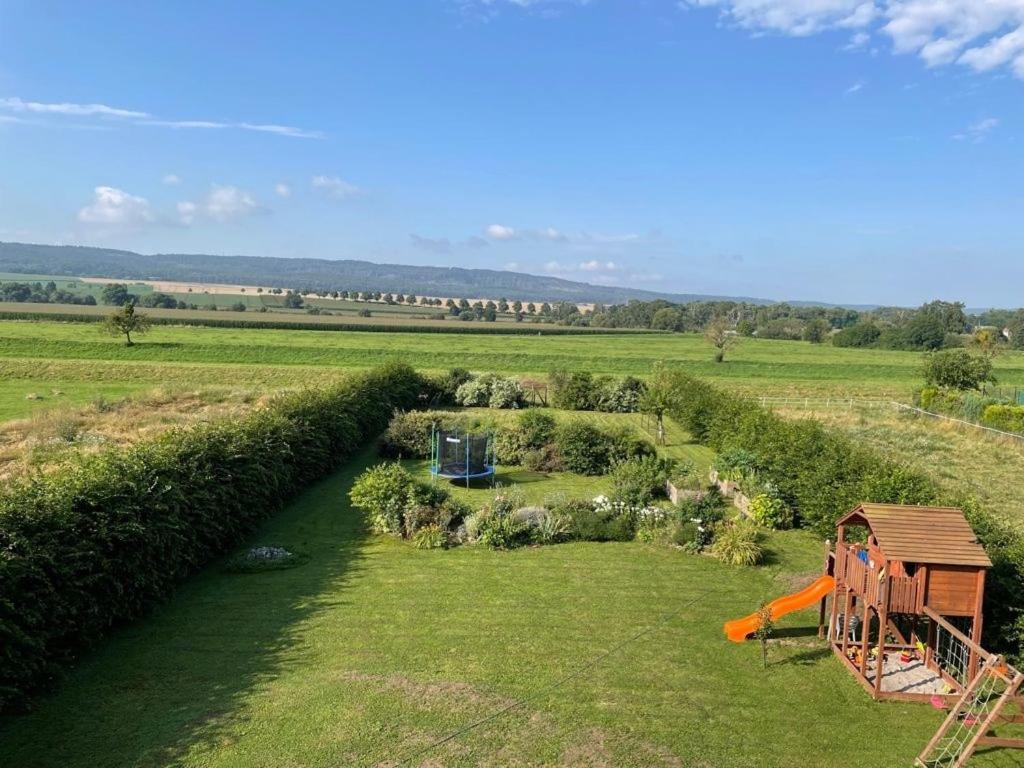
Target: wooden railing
[[901, 591]]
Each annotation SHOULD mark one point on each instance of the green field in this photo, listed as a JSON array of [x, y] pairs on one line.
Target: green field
[[70, 353], [372, 652]]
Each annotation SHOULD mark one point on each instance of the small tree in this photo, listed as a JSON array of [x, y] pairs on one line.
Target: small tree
[[720, 336], [125, 322], [816, 331], [765, 628], [657, 398], [957, 369]]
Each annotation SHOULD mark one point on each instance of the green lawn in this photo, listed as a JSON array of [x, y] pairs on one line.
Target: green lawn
[[24, 397], [372, 652]]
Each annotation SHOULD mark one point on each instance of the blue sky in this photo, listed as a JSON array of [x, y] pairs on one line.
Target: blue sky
[[837, 150]]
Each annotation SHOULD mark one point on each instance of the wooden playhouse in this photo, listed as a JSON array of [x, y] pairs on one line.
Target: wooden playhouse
[[909, 589]]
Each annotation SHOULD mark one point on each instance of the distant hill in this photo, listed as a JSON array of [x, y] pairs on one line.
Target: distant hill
[[319, 275]]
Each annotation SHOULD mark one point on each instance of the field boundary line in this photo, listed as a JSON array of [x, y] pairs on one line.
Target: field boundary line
[[553, 686], [905, 407]]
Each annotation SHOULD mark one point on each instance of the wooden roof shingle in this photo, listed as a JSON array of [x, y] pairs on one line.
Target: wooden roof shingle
[[922, 534]]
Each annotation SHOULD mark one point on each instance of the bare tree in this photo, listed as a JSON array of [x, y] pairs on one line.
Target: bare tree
[[720, 335]]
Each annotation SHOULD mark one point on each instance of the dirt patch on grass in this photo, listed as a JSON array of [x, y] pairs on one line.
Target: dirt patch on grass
[[441, 693]]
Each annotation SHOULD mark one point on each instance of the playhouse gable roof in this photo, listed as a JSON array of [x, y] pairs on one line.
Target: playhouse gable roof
[[922, 534]]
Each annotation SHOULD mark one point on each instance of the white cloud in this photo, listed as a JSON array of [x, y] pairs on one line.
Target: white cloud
[[114, 207], [79, 110], [978, 131], [282, 190], [983, 35], [334, 186], [859, 85], [172, 179], [500, 232], [138, 117], [222, 204], [598, 266], [187, 211]]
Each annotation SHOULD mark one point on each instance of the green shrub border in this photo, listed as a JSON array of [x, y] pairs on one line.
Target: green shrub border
[[823, 474], [103, 540]]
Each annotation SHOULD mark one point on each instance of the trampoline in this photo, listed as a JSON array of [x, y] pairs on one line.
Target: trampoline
[[458, 455]]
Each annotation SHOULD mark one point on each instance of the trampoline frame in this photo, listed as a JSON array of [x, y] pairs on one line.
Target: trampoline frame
[[490, 464]]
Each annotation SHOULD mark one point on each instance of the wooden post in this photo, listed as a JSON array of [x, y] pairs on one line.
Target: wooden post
[[865, 637], [824, 600], [883, 620], [972, 659], [847, 610]]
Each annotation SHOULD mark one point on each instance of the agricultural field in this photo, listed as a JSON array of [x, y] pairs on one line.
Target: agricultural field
[[70, 354]]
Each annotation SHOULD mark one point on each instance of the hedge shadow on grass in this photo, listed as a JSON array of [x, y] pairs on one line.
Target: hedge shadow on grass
[[182, 679]]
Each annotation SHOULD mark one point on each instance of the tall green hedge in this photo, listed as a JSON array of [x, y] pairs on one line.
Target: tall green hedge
[[103, 540], [824, 474]]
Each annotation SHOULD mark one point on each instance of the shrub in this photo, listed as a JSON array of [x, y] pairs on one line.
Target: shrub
[[532, 431], [770, 511], [859, 335], [576, 391], [586, 449], [383, 492], [430, 536], [738, 543], [1009, 418], [621, 395], [957, 369], [736, 464], [101, 541], [408, 433], [592, 521], [506, 393], [490, 390], [637, 481], [475, 393], [445, 386]]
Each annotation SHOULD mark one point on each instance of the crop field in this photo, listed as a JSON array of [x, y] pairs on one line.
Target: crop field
[[66, 356], [373, 653]]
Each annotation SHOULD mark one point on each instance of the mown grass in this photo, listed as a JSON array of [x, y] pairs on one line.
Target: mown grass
[[372, 652], [200, 355]]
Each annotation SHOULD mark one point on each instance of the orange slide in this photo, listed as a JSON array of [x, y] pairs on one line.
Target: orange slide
[[738, 629]]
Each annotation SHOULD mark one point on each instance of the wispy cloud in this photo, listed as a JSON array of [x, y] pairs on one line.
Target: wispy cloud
[[140, 117], [978, 131], [335, 186], [859, 85], [282, 190], [981, 35], [171, 179], [15, 104]]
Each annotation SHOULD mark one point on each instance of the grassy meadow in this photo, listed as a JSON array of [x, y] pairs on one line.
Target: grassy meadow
[[67, 356]]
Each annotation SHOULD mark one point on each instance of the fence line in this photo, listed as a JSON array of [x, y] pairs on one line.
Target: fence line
[[922, 411]]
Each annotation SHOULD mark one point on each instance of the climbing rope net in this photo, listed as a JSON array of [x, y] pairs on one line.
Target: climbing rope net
[[952, 655], [971, 715]]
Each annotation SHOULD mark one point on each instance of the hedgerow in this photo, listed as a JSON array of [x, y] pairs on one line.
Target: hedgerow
[[822, 475], [103, 540]]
